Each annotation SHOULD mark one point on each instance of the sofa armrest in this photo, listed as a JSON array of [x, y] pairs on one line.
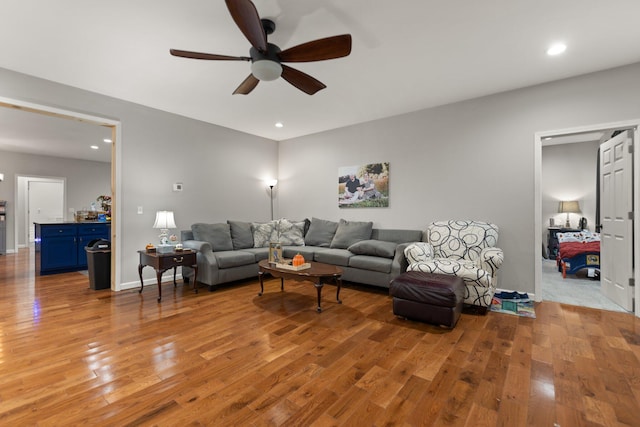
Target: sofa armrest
[[491, 260], [205, 256], [399, 264], [197, 245], [207, 262]]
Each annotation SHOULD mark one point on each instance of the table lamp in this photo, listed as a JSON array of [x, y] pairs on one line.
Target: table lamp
[[164, 221], [568, 207]]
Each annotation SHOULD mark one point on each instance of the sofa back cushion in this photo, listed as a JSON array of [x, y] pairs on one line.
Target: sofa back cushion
[[398, 236], [241, 234], [350, 232], [264, 233], [461, 239], [320, 233], [291, 233], [378, 248], [218, 235]]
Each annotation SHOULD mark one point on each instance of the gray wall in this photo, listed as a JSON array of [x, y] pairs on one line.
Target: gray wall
[[472, 159], [221, 169]]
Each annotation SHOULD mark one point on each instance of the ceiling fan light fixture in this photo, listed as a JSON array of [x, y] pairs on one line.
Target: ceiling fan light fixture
[[266, 70]]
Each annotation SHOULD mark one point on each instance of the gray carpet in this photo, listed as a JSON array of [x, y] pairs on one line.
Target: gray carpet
[[576, 289]]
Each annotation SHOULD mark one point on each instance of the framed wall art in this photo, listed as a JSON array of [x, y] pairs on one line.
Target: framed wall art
[[363, 186]]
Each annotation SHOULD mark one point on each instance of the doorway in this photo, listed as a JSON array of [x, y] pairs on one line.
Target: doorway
[[116, 156], [542, 215], [41, 200]]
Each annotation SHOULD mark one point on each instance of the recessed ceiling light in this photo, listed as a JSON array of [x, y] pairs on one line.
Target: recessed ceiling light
[[107, 140], [94, 147], [279, 125], [556, 49]]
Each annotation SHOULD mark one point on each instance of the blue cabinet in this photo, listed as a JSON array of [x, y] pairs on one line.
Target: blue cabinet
[[60, 246]]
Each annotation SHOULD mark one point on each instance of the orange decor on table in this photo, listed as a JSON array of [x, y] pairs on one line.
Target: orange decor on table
[[298, 260]]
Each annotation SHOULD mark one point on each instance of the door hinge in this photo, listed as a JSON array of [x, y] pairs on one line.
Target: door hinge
[[632, 282], [631, 215], [631, 148]]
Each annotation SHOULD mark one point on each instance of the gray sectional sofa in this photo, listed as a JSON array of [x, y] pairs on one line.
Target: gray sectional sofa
[[231, 251]]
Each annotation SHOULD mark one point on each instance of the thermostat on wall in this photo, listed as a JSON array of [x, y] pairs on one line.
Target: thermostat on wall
[[177, 186]]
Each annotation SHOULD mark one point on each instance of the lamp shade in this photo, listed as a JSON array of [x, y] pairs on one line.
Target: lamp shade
[[271, 183], [569, 207], [164, 220]]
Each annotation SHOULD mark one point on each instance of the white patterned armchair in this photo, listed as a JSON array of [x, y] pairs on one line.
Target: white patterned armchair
[[466, 249]]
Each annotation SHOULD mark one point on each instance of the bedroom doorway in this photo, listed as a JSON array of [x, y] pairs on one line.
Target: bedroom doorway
[[579, 146]]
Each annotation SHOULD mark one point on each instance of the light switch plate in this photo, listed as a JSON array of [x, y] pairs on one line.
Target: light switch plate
[[139, 210]]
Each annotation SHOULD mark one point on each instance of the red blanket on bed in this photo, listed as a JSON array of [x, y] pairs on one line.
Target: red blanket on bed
[[571, 249]]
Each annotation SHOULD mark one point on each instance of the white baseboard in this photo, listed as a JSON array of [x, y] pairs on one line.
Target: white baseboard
[[147, 282]]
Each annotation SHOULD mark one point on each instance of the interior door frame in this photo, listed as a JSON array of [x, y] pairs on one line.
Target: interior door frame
[[537, 241], [116, 170]]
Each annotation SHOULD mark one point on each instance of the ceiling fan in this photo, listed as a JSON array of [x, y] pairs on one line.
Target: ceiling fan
[[266, 58]]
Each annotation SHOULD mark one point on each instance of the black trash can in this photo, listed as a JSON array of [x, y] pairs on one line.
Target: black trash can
[[99, 263]]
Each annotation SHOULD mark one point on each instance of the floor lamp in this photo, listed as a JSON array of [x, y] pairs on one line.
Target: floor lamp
[[271, 183]]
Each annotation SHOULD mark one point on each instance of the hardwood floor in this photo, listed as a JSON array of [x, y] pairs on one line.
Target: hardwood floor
[[73, 356]]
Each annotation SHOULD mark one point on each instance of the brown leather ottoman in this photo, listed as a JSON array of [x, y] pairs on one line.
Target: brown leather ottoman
[[431, 298]]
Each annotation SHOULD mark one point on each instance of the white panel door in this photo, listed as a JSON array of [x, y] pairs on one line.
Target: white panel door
[[46, 203], [616, 202]]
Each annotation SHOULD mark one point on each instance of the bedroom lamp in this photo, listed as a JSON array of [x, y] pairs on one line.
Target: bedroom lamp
[[164, 221], [569, 207]]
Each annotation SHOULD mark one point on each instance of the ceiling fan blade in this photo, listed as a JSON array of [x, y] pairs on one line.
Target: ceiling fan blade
[[318, 50], [302, 81], [246, 17], [246, 86], [198, 55]]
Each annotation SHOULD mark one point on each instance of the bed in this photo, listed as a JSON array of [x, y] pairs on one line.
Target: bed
[[578, 251]]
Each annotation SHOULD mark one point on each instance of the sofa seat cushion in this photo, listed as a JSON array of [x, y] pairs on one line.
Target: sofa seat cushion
[[467, 271], [259, 253], [372, 263], [334, 257], [228, 259]]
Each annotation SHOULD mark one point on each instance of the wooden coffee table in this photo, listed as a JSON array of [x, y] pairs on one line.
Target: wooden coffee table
[[318, 273]]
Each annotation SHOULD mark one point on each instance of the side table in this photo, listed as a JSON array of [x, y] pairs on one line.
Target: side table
[[165, 261]]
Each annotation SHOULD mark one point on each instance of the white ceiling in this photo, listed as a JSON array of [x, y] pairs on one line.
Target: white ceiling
[[407, 55]]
